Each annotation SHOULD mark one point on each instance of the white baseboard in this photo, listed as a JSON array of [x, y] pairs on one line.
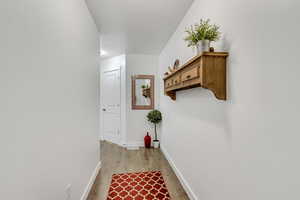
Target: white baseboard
[[134, 146], [91, 182], [179, 175]]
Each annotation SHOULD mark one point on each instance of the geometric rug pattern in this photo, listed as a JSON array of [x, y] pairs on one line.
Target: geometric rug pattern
[[138, 186]]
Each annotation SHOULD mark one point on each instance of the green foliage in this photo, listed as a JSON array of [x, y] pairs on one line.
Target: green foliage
[[213, 33], [145, 86], [202, 31], [192, 37], [154, 116]]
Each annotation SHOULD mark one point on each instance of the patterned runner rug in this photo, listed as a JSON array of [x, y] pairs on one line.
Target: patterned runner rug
[[138, 186]]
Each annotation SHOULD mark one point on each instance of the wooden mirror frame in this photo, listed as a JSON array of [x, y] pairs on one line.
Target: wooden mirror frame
[[133, 92]]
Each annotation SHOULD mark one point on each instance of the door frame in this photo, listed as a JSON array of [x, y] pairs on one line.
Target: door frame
[[105, 66]]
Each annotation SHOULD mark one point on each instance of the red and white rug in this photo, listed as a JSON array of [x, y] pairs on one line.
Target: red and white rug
[[138, 186]]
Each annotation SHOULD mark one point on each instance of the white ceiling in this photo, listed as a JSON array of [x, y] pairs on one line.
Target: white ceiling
[[136, 26]]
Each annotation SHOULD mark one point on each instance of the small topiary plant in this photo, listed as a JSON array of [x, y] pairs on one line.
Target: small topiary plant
[[154, 117]]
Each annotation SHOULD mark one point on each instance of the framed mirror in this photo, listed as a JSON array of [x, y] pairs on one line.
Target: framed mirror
[[142, 92]]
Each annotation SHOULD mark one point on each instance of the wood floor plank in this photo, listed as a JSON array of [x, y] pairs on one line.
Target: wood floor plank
[[116, 159]]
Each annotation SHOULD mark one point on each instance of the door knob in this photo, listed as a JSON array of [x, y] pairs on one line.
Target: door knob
[[103, 109]]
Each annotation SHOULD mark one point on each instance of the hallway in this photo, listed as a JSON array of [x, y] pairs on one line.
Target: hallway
[[212, 85], [116, 159]]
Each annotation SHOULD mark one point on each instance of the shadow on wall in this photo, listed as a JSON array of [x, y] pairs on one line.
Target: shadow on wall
[[215, 113]]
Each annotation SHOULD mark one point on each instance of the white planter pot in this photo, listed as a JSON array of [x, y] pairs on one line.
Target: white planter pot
[[156, 144], [202, 46]]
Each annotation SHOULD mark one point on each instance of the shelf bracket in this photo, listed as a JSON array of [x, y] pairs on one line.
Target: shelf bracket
[[172, 95]]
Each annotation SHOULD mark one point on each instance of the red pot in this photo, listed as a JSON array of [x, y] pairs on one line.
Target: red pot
[[147, 140]]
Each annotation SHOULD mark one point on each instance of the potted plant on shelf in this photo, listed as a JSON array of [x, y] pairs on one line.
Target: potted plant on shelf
[[201, 35], [155, 117]]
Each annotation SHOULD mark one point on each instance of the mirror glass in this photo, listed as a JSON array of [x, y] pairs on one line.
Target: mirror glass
[[142, 92]]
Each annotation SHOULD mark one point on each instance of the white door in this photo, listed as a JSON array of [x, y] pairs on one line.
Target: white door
[[111, 100]]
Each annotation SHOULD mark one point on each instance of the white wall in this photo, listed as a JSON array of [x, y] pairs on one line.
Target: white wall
[[137, 124], [48, 99], [246, 147]]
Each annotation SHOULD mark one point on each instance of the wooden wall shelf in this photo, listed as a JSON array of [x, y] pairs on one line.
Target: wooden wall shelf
[[207, 70]]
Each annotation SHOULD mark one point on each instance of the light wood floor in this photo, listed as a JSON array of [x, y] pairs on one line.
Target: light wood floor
[[117, 159]]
